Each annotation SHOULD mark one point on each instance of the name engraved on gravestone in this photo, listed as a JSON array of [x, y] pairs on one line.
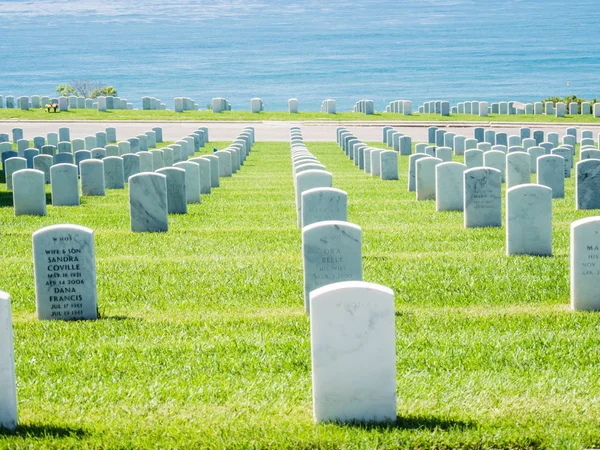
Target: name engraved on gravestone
[[65, 273], [585, 264], [321, 204], [331, 252]]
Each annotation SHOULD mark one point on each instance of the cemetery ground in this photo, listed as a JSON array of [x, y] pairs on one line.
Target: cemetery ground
[[203, 340], [239, 115]]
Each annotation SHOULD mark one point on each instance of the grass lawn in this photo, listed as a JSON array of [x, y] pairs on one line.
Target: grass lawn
[[90, 114], [203, 341]]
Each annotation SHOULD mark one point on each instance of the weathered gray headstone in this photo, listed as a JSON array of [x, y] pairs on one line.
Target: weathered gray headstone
[[389, 165], [148, 202], [176, 189], [43, 164], [192, 180], [12, 165], [92, 177], [482, 204], [65, 187], [587, 188], [322, 204], [114, 172], [131, 165], [518, 169], [496, 160], [29, 192]]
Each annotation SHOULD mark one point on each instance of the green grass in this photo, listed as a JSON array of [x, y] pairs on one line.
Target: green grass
[[90, 114], [203, 341]]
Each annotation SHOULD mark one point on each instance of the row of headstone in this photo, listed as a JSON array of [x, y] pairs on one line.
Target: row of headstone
[[182, 104], [475, 189], [316, 199], [400, 107], [351, 321], [168, 190], [152, 104], [26, 103], [375, 161], [483, 109], [220, 104], [106, 103], [328, 106], [364, 107], [98, 172]]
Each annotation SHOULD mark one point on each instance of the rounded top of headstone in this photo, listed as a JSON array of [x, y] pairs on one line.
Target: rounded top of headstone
[[170, 170], [351, 285], [62, 228], [147, 174], [339, 224]]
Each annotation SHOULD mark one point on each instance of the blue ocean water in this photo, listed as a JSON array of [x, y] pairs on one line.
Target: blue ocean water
[[381, 50]]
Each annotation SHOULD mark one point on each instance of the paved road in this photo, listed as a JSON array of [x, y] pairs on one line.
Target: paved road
[[271, 131]]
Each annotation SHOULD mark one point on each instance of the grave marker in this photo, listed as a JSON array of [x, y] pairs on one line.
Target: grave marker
[[353, 353], [331, 252], [65, 273]]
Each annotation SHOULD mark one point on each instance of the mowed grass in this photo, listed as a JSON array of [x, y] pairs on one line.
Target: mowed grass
[[246, 115], [203, 341]]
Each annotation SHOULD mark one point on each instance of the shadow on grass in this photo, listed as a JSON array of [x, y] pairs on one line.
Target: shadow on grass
[[430, 423], [40, 431], [6, 199], [119, 318]]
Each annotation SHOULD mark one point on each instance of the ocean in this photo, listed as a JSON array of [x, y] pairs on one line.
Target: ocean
[[380, 50]]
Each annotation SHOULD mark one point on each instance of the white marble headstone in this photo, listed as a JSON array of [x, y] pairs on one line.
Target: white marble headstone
[[331, 252], [8, 382], [482, 204], [308, 180], [29, 192], [114, 171], [321, 204], [92, 177], [425, 178], [176, 189], [551, 173], [148, 202], [192, 180], [65, 185], [585, 264], [353, 352], [65, 273], [449, 186], [412, 160], [518, 169], [529, 220], [587, 188], [388, 161]]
